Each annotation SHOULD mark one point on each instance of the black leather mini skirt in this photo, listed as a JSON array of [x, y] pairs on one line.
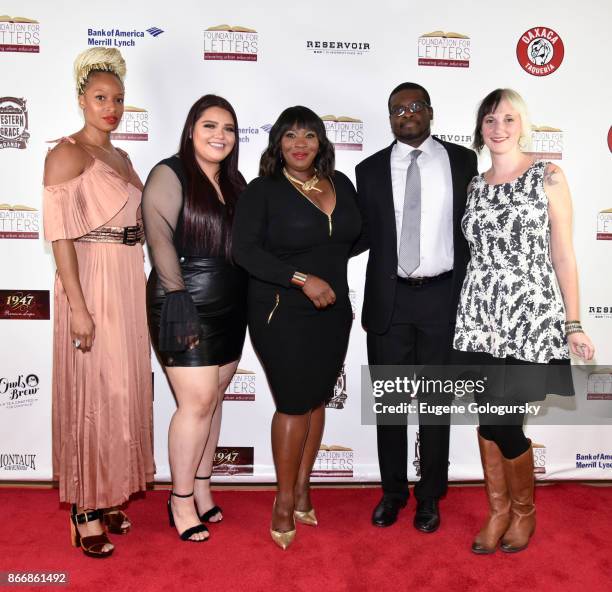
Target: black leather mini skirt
[[219, 291]]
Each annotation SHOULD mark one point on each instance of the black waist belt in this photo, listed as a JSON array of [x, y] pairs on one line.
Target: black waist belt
[[421, 281]]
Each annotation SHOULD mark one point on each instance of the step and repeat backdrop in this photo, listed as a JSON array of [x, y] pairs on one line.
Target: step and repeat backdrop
[[341, 59]]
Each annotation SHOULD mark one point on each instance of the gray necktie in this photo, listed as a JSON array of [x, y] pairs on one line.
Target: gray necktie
[[410, 240]]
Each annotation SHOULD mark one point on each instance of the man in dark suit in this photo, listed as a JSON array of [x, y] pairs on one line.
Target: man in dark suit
[[412, 197]]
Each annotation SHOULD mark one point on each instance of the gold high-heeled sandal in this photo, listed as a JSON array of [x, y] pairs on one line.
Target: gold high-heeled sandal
[[282, 539], [309, 517]]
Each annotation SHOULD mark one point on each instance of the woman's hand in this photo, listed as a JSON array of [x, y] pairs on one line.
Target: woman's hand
[[319, 291], [580, 345], [83, 329]]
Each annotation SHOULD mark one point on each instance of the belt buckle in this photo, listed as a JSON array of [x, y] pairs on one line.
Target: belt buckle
[[130, 235]]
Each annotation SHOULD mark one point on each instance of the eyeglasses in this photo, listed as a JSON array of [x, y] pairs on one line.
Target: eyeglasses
[[413, 107]]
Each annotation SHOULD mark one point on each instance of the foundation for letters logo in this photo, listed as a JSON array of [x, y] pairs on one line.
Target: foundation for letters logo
[[18, 221], [444, 49], [333, 461], [19, 34], [231, 43], [346, 133], [134, 125]]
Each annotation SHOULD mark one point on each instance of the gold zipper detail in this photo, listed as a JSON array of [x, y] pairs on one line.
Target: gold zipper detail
[[329, 216], [275, 307]]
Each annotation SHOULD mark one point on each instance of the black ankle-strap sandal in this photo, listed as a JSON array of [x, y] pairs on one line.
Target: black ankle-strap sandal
[[186, 534], [206, 517], [92, 546]]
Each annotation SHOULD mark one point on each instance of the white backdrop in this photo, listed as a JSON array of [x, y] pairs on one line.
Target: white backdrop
[[340, 59]]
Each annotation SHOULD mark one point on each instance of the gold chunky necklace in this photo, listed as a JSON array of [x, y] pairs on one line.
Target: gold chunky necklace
[[308, 185]]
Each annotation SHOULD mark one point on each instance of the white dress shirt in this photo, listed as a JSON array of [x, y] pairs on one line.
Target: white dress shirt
[[436, 244]]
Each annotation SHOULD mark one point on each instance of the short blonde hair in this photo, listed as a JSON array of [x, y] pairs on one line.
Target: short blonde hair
[[489, 104], [97, 59]]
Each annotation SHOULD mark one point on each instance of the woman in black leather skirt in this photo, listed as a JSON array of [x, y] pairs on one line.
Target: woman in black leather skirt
[[196, 298]]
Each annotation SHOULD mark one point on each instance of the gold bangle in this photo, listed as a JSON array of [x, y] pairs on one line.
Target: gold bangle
[[299, 279]]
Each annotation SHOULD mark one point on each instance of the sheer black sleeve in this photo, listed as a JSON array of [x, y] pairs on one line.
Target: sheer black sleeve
[[162, 201], [249, 237]]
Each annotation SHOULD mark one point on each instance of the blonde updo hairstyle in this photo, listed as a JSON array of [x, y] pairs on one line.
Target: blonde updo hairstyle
[[490, 103], [97, 59]]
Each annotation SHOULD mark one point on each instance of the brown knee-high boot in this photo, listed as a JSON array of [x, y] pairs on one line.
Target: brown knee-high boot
[[498, 495], [521, 482]]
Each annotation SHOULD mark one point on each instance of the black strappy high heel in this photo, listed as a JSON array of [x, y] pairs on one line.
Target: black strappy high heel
[[186, 534], [206, 517], [92, 546]]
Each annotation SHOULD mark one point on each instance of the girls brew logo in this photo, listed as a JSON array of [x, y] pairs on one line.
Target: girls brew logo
[[233, 460], [333, 461], [546, 142], [232, 43], [540, 51], [13, 123], [444, 49], [242, 387], [19, 221], [19, 391], [24, 304], [346, 133], [134, 125], [19, 34]]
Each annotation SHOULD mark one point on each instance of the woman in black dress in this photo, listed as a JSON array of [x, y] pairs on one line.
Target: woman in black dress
[[294, 229], [196, 298]]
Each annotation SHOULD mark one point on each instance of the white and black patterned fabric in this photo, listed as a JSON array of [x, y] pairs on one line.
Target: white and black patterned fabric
[[510, 304]]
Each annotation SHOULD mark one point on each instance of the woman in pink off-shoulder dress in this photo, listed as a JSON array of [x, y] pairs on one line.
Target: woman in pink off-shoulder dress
[[102, 387]]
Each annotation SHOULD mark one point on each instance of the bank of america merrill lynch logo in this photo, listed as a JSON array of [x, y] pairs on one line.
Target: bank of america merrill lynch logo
[[155, 31]]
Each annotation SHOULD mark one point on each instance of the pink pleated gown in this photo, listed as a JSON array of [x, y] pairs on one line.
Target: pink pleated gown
[[102, 399]]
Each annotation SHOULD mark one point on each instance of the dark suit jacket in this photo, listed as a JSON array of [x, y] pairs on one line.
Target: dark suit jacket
[[375, 198]]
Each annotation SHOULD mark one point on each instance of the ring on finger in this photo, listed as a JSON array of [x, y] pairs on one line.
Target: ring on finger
[[76, 343]]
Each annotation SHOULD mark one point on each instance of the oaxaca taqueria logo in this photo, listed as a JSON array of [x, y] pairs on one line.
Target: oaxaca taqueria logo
[[17, 221], [233, 460], [232, 43], [13, 123], [546, 142], [19, 34], [134, 125], [540, 51], [333, 461], [346, 133], [444, 49], [242, 387]]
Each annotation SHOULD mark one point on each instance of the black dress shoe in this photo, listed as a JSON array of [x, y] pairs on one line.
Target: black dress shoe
[[385, 513], [427, 518]]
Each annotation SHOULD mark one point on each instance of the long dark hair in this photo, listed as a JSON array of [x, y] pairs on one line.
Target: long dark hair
[[206, 221], [271, 160]]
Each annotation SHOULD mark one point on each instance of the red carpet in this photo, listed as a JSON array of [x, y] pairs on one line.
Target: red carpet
[[571, 549]]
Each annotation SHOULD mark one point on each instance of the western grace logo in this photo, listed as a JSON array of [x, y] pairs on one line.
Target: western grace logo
[[539, 458], [134, 125], [346, 133], [340, 395], [546, 142], [455, 138], [19, 34], [24, 305], [119, 37], [231, 43], [444, 49], [333, 461], [13, 123], [19, 221], [19, 391], [233, 460], [540, 51], [599, 386], [604, 225], [242, 387], [17, 461], [338, 47]]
